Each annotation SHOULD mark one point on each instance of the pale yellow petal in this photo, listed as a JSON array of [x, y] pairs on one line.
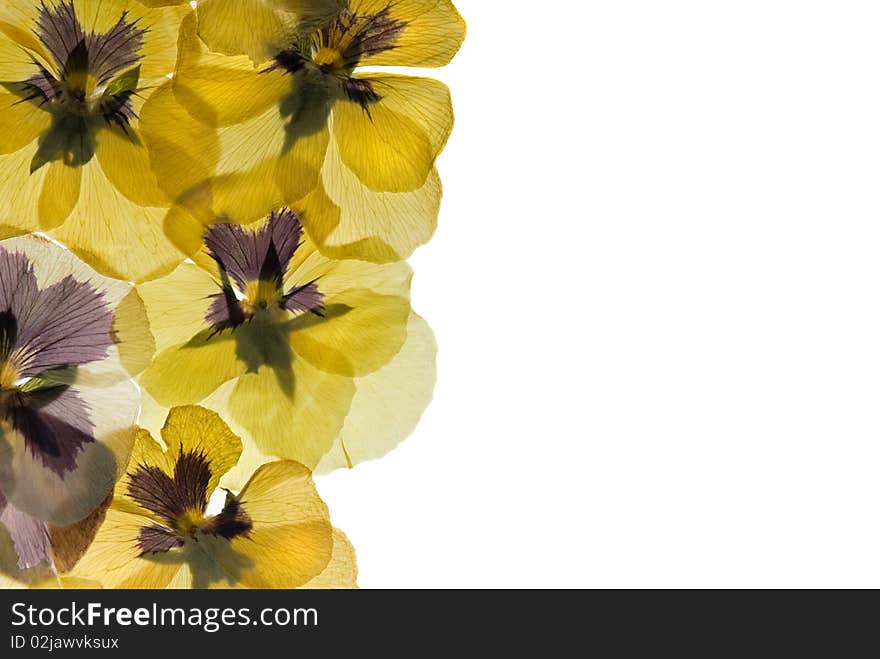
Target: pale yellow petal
[[342, 570], [178, 304], [388, 403], [296, 418]]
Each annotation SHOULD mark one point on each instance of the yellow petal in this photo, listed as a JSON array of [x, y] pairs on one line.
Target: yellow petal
[[60, 194], [126, 163], [131, 331], [386, 150], [244, 27], [297, 424], [21, 122], [114, 235], [388, 403], [392, 146], [260, 28], [21, 193], [349, 221], [194, 429], [292, 539], [183, 151], [361, 332], [220, 90], [113, 559], [337, 276], [178, 304], [433, 34], [342, 571], [188, 373]]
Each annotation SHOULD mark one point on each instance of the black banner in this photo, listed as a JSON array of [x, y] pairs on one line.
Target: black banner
[[551, 623]]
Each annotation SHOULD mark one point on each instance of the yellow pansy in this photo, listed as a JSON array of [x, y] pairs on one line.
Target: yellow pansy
[[278, 338], [73, 78], [159, 533], [352, 150]]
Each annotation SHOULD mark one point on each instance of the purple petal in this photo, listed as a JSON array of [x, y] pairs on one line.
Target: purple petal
[[157, 540], [67, 324], [30, 536], [60, 31], [304, 299], [54, 423], [251, 255]]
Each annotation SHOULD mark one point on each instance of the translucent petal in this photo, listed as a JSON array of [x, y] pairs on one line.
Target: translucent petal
[[388, 403], [434, 32], [361, 332], [342, 571]]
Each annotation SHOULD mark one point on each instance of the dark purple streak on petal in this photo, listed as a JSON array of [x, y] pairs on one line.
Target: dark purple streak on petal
[[304, 299], [55, 424]]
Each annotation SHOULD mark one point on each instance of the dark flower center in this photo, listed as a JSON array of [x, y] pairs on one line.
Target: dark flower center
[[180, 502], [337, 49], [90, 79]]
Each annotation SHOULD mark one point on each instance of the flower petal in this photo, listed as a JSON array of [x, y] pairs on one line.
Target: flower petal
[[360, 332], [188, 373], [258, 28], [433, 34], [292, 539], [342, 570], [178, 304], [86, 451], [388, 403], [114, 558], [349, 221], [114, 235], [198, 430], [298, 423]]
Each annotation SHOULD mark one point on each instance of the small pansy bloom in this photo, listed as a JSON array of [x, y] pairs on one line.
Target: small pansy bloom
[[160, 532], [275, 336], [70, 342], [353, 150], [73, 77]]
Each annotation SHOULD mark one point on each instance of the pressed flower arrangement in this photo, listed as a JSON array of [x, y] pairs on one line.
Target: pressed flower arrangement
[[204, 214]]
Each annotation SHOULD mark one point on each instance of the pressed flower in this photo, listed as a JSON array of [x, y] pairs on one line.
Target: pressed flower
[[159, 533], [70, 342], [309, 128], [73, 77], [274, 335]]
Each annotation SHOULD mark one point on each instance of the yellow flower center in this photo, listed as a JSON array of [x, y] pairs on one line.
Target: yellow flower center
[[260, 294], [329, 59], [8, 375], [189, 522]]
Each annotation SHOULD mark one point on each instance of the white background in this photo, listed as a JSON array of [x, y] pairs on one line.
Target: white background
[[655, 288]]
